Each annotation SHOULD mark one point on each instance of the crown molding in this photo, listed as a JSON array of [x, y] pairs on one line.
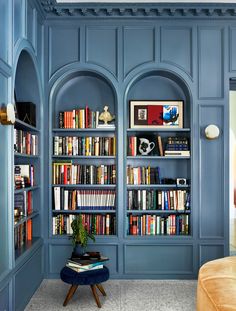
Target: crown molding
[[193, 10]]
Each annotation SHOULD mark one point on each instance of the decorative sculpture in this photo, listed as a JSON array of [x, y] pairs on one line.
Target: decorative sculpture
[[106, 116]]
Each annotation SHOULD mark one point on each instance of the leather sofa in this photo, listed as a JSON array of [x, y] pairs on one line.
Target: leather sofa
[[216, 289]]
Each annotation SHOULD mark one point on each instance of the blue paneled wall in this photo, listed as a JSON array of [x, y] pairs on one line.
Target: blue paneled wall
[[143, 60], [133, 56], [21, 28]]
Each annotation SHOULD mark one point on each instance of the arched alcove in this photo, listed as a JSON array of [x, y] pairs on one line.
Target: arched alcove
[[80, 89], [161, 85], [26, 82]]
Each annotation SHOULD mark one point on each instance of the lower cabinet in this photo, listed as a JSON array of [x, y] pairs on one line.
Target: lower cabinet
[[28, 279]]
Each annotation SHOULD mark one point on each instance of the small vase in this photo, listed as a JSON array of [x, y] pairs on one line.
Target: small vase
[[78, 251]]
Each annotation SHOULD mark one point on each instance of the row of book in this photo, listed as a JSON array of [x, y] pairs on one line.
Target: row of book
[[65, 199], [22, 234], [143, 175], [174, 146], [85, 146], [25, 142], [23, 176], [158, 225], [68, 174], [98, 224], [78, 118], [177, 146], [178, 200], [23, 205]]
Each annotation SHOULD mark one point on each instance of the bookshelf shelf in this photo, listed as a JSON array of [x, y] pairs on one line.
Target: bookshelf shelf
[[83, 168], [84, 157], [87, 130], [157, 212], [86, 186], [159, 186], [158, 158], [26, 189], [22, 155], [159, 130], [27, 248], [25, 126], [86, 211], [24, 219]]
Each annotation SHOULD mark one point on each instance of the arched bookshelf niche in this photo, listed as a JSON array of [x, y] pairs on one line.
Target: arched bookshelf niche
[[158, 180], [86, 176], [27, 177]]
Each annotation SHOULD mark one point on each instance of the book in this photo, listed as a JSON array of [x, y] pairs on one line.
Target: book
[[160, 146], [177, 153], [81, 269]]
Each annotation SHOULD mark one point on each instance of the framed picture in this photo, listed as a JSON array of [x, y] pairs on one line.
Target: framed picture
[[156, 114]]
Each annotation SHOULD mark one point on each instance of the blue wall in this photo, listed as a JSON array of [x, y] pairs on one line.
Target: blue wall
[[135, 55], [21, 28], [130, 54]]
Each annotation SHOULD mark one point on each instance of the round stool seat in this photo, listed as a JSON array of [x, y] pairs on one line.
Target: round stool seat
[[84, 278]]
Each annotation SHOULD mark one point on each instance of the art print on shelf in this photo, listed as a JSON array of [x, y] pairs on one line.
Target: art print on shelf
[[156, 114]]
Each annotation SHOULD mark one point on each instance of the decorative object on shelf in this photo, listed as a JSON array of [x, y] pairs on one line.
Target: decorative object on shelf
[[80, 235], [26, 112], [145, 147], [106, 117], [181, 181], [156, 114], [7, 114], [212, 131]]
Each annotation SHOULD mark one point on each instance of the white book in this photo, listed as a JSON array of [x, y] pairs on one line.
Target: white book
[[66, 193], [57, 200]]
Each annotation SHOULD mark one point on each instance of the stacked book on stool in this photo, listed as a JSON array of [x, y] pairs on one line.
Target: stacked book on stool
[[89, 261]]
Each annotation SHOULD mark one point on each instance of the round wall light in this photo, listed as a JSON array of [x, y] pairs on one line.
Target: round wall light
[[212, 131]]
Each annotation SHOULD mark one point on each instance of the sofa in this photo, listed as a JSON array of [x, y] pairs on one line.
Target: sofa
[[216, 289]]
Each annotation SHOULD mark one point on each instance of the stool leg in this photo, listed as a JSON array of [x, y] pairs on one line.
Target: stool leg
[[70, 294], [100, 287], [95, 295]]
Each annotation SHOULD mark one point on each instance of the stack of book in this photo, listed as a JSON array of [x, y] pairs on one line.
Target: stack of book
[[24, 176], [25, 143], [78, 118], [143, 175], [177, 146], [83, 265]]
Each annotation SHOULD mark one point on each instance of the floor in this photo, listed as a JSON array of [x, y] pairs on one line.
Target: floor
[[122, 295]]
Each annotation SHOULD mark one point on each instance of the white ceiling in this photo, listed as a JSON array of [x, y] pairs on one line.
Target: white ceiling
[[143, 1]]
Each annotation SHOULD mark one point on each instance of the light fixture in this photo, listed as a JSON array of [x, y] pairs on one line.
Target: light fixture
[[7, 114], [212, 131]]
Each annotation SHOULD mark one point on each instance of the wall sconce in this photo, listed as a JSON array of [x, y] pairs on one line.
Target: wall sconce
[[212, 131], [7, 115]]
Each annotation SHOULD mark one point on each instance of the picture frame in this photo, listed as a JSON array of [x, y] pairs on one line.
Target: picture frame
[[163, 114]]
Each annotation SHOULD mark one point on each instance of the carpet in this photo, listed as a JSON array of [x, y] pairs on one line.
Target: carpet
[[122, 295]]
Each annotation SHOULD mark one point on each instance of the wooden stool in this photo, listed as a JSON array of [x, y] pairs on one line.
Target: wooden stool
[[94, 278]]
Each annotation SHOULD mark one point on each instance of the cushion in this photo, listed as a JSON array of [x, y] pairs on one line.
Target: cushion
[[217, 285], [84, 278]]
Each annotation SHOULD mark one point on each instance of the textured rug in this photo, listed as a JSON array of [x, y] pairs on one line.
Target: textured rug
[[122, 295]]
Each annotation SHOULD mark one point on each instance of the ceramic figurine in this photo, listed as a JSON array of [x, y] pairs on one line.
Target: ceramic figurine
[[106, 116]]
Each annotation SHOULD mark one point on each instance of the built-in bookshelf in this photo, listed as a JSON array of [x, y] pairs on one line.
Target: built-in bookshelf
[[158, 182], [83, 168], [26, 187]]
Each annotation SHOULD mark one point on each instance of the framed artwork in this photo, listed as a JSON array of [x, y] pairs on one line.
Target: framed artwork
[[156, 114]]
